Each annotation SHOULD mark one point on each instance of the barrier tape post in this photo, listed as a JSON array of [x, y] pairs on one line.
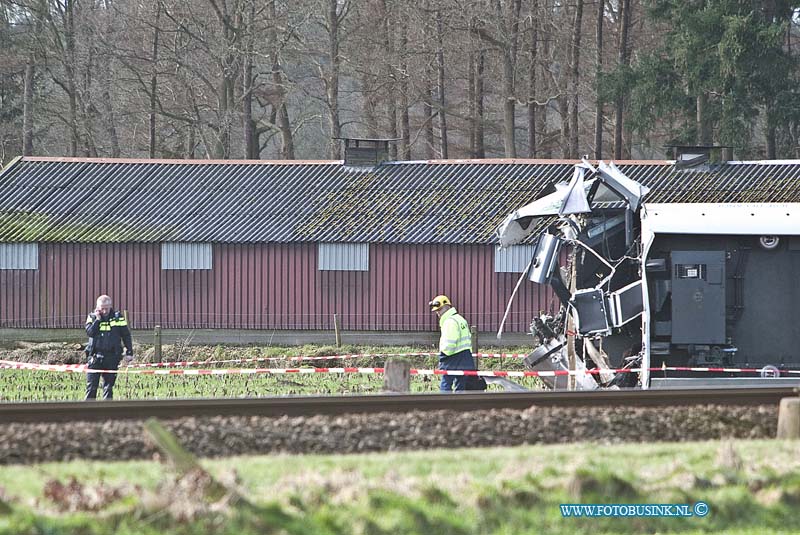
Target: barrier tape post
[[157, 343]]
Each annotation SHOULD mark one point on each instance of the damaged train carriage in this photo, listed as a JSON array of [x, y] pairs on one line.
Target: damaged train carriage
[[652, 285]]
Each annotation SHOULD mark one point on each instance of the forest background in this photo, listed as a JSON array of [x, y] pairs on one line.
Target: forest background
[[282, 79]]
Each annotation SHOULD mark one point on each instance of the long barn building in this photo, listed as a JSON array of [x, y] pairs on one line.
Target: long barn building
[[286, 245]]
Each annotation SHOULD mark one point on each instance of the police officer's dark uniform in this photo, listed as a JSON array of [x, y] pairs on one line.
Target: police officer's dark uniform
[[104, 350]]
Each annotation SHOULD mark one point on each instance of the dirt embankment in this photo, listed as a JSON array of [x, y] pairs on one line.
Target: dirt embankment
[[224, 436], [72, 353], [48, 353]]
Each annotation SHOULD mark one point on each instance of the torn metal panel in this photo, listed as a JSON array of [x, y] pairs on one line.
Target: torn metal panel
[[549, 356], [575, 200], [567, 199], [506, 384], [552, 356], [545, 258], [630, 190]]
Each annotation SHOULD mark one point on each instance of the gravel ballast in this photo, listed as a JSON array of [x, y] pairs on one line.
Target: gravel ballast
[[225, 436]]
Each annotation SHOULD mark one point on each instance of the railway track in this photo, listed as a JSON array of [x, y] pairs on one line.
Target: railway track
[[339, 405]]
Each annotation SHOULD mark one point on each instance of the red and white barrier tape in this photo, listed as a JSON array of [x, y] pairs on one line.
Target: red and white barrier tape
[[186, 364], [301, 358], [82, 368]]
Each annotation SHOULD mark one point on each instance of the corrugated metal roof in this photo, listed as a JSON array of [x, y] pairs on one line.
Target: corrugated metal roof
[[456, 201]]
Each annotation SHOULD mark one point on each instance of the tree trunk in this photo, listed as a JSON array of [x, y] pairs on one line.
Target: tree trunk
[[703, 131], [509, 141], [332, 80], [248, 125], [427, 107], [622, 60], [440, 83], [575, 67], [427, 115], [563, 110], [39, 11], [427, 90], [222, 143], [287, 138], [405, 123], [533, 49], [391, 102], [69, 69], [392, 113], [545, 149], [84, 97], [282, 113], [598, 113], [251, 145], [370, 107], [471, 102], [110, 120], [27, 106], [154, 82], [511, 29], [771, 140], [191, 143], [480, 93]]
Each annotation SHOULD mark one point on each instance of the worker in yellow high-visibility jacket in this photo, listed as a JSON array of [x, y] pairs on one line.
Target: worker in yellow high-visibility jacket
[[455, 344]]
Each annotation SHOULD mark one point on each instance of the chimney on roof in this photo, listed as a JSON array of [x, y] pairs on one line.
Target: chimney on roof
[[700, 156], [365, 152]]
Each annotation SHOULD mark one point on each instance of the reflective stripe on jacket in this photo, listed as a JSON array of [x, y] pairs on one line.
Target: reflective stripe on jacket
[[108, 334], [455, 333]]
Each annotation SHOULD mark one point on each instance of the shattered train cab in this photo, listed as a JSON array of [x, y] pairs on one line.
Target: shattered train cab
[[656, 287]]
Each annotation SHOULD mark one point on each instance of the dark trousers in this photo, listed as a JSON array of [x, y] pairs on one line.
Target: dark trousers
[[109, 362], [93, 381], [462, 360]]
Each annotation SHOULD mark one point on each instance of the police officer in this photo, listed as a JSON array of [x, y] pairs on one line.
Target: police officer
[[107, 330], [455, 345]]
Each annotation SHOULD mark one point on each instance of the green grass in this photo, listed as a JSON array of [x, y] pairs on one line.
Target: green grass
[[752, 487], [33, 385]]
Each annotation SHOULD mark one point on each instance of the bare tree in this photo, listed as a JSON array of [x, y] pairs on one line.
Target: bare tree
[[405, 120], [598, 113], [280, 78], [622, 60], [336, 13], [249, 127], [440, 83], [389, 74], [575, 77], [427, 89], [533, 51], [281, 110], [154, 78], [504, 36], [36, 12]]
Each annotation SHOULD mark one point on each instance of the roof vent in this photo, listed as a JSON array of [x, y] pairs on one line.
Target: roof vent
[[699, 156], [365, 152]]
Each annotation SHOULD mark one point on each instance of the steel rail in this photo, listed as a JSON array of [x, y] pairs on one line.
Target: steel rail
[[336, 405]]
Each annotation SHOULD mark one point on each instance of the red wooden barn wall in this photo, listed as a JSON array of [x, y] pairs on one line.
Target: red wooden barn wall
[[266, 286]]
